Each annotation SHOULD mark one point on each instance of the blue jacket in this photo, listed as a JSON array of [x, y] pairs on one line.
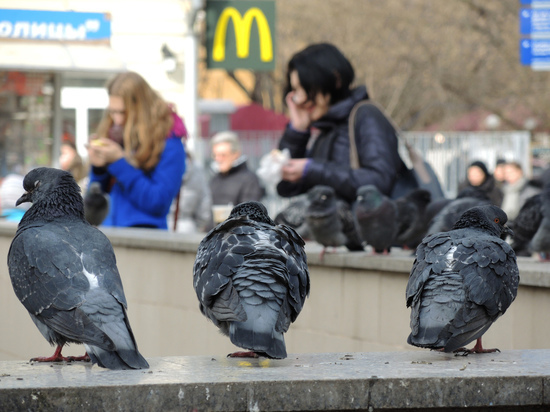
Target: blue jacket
[[141, 198], [330, 158]]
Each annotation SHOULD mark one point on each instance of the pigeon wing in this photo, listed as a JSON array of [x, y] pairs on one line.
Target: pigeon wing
[[297, 272], [219, 256], [349, 226], [490, 277], [526, 223], [51, 275]]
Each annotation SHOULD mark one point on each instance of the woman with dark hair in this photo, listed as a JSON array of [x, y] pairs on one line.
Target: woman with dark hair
[[480, 180], [319, 95]]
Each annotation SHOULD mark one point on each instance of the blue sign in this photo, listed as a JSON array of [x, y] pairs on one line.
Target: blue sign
[[54, 25], [534, 22], [534, 52], [536, 3]]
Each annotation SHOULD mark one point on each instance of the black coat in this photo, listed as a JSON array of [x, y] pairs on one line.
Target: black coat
[[376, 144], [239, 184]]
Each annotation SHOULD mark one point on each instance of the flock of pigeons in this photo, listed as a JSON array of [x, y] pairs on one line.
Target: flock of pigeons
[[380, 222], [251, 274]]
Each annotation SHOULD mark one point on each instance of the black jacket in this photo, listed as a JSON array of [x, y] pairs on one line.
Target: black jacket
[[376, 144], [238, 185]]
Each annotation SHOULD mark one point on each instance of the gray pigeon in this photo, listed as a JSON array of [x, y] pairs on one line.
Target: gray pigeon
[[541, 239], [294, 215], [376, 216], [252, 279], [448, 215], [64, 272], [330, 220], [461, 282], [96, 204], [526, 224], [411, 224]]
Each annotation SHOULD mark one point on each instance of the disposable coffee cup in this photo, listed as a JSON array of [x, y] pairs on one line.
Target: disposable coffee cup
[[221, 212]]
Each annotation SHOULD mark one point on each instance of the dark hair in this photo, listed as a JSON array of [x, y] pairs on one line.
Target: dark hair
[[482, 166], [322, 68]]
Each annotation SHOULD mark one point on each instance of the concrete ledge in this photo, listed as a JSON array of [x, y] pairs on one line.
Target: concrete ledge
[[324, 381], [533, 272]]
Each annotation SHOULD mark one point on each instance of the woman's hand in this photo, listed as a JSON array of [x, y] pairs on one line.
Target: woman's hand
[[293, 170], [102, 152], [299, 113]]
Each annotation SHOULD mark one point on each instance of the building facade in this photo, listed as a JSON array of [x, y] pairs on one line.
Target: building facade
[[56, 57]]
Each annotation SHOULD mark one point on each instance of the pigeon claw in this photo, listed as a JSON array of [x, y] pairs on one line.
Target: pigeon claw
[[478, 348], [58, 357], [248, 354]]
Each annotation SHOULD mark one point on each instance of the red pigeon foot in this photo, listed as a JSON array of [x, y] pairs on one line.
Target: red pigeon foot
[[249, 354]]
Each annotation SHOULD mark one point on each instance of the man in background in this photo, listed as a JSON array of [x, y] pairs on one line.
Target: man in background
[[233, 182]]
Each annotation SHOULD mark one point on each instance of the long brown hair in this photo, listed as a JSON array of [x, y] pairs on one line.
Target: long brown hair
[[148, 119]]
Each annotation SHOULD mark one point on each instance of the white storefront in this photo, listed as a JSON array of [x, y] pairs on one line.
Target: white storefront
[[56, 56]]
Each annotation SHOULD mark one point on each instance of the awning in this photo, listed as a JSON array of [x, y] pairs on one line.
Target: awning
[[49, 56]]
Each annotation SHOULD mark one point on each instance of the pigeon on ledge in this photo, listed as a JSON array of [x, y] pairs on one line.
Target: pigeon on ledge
[[376, 216], [96, 204], [64, 272], [251, 278], [461, 282], [330, 220]]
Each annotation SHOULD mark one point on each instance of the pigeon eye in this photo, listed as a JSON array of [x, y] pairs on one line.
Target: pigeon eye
[[497, 220], [324, 197], [36, 184]]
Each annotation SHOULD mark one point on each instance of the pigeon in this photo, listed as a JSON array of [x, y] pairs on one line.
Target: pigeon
[[541, 239], [462, 281], [96, 204], [251, 278], [376, 216], [330, 220], [526, 224], [294, 215], [448, 215], [64, 272], [411, 226]]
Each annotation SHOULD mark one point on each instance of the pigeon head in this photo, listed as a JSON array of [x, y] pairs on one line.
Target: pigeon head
[[55, 190], [253, 210], [421, 197], [489, 218], [370, 195], [322, 200]]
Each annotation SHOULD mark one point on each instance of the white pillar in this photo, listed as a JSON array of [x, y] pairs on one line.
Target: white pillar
[[190, 88], [191, 74]]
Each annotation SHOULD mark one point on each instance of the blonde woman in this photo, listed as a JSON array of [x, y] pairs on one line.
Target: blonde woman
[[137, 154]]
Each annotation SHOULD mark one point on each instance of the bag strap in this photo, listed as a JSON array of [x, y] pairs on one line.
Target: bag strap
[[416, 158], [177, 212], [353, 154]]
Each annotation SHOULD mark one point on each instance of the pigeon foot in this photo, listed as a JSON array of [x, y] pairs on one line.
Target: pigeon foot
[[248, 354], [478, 348], [58, 357]]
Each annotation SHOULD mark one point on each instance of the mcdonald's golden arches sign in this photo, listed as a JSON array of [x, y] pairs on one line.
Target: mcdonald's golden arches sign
[[240, 34]]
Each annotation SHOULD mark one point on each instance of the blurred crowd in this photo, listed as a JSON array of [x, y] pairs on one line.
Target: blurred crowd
[[143, 174]]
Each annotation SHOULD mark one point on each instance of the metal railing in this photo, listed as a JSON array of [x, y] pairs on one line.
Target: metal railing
[[449, 154]]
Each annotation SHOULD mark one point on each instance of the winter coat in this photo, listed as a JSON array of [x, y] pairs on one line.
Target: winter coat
[[140, 198], [330, 155], [516, 194], [195, 201], [238, 185], [489, 187]]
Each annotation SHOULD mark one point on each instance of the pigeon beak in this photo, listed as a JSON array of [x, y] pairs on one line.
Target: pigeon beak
[[507, 231], [24, 198]]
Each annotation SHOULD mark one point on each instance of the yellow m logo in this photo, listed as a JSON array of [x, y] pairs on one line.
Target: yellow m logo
[[243, 25]]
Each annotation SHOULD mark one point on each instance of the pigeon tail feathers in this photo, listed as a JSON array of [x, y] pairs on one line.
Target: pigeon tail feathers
[[258, 333]]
